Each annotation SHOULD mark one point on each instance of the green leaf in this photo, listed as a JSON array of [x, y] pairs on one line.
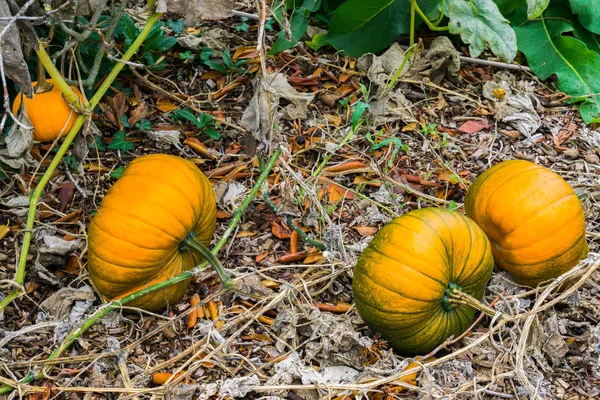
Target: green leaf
[[298, 25], [186, 114], [120, 142], [176, 26], [71, 161], [359, 110], [359, 26], [535, 8], [126, 29], [3, 175], [216, 66], [186, 55], [212, 133], [98, 144], [124, 121], [588, 12], [550, 51], [204, 120], [144, 125], [508, 6], [591, 40], [481, 25], [117, 172]]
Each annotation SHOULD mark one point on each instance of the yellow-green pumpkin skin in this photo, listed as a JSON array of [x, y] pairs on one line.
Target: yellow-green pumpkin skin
[[532, 217], [134, 238], [401, 280]]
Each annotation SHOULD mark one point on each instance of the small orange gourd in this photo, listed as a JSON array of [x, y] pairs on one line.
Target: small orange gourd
[[50, 115], [532, 217], [153, 224], [404, 280]]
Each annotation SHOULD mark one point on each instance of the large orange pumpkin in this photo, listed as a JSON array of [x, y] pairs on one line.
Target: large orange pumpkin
[[532, 217], [148, 228], [403, 280], [50, 115]]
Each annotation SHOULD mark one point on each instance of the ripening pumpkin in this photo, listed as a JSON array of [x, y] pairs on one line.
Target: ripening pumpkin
[[404, 279], [153, 223], [532, 217], [50, 115]]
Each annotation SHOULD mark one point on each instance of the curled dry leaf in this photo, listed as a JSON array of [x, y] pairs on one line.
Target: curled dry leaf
[[12, 55], [366, 230]]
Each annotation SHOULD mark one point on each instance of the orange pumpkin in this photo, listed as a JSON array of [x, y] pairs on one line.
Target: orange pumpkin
[[532, 217], [404, 279], [149, 227], [50, 115]]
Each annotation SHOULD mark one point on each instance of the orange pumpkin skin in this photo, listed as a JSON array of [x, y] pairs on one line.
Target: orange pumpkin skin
[[402, 279], [532, 217], [50, 115], [134, 239]]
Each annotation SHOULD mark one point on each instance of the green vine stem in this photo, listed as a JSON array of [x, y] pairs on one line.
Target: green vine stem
[[48, 65], [115, 304], [429, 24], [20, 273], [191, 243], [456, 296]]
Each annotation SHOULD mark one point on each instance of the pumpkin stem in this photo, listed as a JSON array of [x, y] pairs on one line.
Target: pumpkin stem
[[457, 296], [42, 85], [193, 244]]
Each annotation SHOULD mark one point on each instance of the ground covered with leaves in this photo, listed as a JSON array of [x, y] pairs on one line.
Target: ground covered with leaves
[[359, 148]]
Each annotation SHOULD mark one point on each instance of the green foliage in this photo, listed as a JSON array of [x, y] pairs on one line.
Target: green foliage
[[144, 125], [116, 174], [588, 12], [558, 37], [480, 24], [120, 142], [359, 26], [204, 122], [155, 44], [176, 26], [227, 65], [243, 27], [3, 176], [98, 144], [551, 51]]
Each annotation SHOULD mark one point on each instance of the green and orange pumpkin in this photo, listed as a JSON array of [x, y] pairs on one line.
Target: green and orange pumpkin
[[153, 224], [532, 217], [404, 279]]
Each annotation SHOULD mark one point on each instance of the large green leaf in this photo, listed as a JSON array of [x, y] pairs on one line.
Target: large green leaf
[[480, 24], [588, 12], [550, 51], [300, 12], [368, 26], [535, 8], [360, 26]]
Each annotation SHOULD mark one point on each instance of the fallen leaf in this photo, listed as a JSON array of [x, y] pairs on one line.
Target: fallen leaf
[[243, 234], [473, 126], [314, 258], [65, 195], [333, 119], [280, 231], [165, 105], [366, 230], [345, 166], [4, 229]]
